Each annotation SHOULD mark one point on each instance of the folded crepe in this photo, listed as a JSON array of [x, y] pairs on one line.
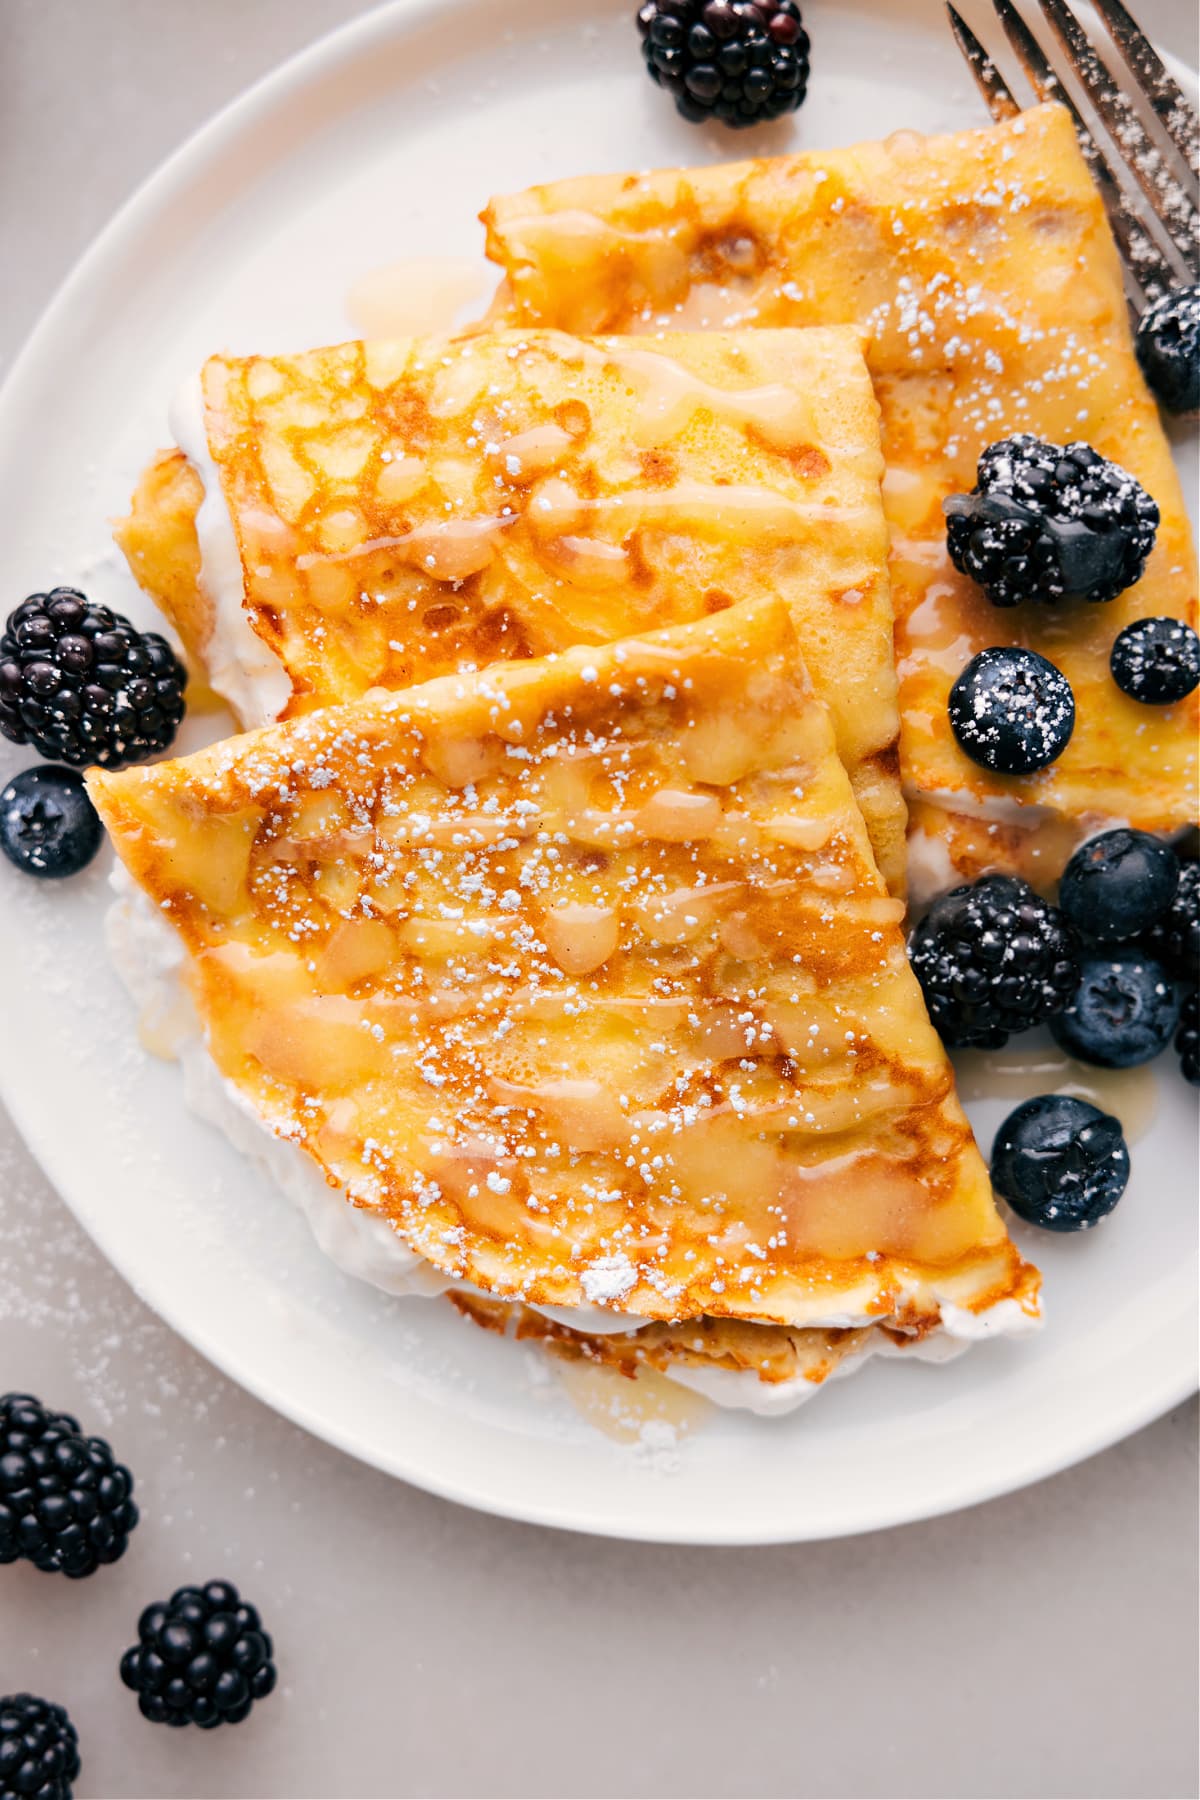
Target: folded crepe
[[981, 269], [376, 514], [577, 979]]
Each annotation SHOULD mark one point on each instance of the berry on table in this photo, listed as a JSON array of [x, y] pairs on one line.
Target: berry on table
[[1187, 1039], [65, 1504], [1123, 1012], [83, 685], [1168, 348], [1060, 1163], [48, 826], [992, 958], [39, 1749], [739, 61], [1156, 661], [1011, 711], [1117, 885], [1047, 523], [201, 1659], [1175, 938]]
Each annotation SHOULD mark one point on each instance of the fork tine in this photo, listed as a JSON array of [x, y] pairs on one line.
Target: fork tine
[[1161, 187], [1145, 261], [1157, 83], [988, 79]]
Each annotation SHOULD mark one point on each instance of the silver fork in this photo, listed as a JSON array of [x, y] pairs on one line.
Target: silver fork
[[1159, 250]]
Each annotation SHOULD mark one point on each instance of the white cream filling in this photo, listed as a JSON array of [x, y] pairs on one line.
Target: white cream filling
[[241, 668], [149, 957], [931, 868]]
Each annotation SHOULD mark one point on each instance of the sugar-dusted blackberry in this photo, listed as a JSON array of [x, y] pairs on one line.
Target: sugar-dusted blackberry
[[1156, 661], [993, 958], [1168, 348], [1187, 1039], [1012, 711], [1046, 523], [83, 685], [202, 1659], [739, 61], [1060, 1163], [1175, 937], [39, 1749], [65, 1505]]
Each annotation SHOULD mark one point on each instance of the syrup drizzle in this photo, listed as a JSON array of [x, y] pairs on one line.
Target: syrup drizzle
[[1013, 1075]]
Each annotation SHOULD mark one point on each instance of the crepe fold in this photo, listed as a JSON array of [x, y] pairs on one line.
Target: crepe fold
[[981, 271], [579, 973], [375, 514]]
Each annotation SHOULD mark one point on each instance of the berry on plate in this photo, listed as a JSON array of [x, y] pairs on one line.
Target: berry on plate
[[202, 1659], [65, 1504], [1060, 1163], [991, 959], [1123, 1012], [1187, 1039], [1175, 938], [48, 826], [39, 1749], [1117, 885], [83, 685], [738, 61], [1047, 523], [1012, 711], [1156, 661], [1168, 348]]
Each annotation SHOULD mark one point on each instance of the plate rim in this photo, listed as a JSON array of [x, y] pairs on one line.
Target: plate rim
[[343, 45]]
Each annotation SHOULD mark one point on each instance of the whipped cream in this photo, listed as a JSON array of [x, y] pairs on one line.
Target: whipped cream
[[149, 956], [241, 668]]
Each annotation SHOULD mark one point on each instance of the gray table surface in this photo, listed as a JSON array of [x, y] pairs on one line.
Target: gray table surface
[[1045, 1644]]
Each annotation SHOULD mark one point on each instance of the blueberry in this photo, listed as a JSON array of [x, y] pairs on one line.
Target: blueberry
[[1012, 711], [1123, 1012], [48, 826], [1168, 348], [1188, 1040], [1119, 884], [1060, 1163], [1156, 661]]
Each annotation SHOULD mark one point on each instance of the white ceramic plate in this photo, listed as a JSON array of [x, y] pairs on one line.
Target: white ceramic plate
[[381, 143]]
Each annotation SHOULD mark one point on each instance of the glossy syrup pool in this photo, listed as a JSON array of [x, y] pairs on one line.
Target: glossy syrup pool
[[1019, 1072]]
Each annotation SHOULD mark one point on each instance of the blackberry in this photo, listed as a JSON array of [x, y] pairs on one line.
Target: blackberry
[[993, 958], [1175, 938], [1117, 885], [48, 826], [65, 1505], [1124, 1011], [1156, 661], [1168, 348], [1012, 711], [83, 685], [1060, 1163], [1045, 523], [1187, 1039], [202, 1659], [739, 61], [39, 1749]]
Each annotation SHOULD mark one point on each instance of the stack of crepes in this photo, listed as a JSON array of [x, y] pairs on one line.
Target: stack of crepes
[[546, 937]]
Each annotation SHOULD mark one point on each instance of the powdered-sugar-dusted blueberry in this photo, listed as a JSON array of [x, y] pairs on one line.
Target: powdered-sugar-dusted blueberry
[[1012, 711]]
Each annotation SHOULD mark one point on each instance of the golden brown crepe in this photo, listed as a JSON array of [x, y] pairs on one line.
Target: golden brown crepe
[[409, 508], [579, 972], [981, 268]]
